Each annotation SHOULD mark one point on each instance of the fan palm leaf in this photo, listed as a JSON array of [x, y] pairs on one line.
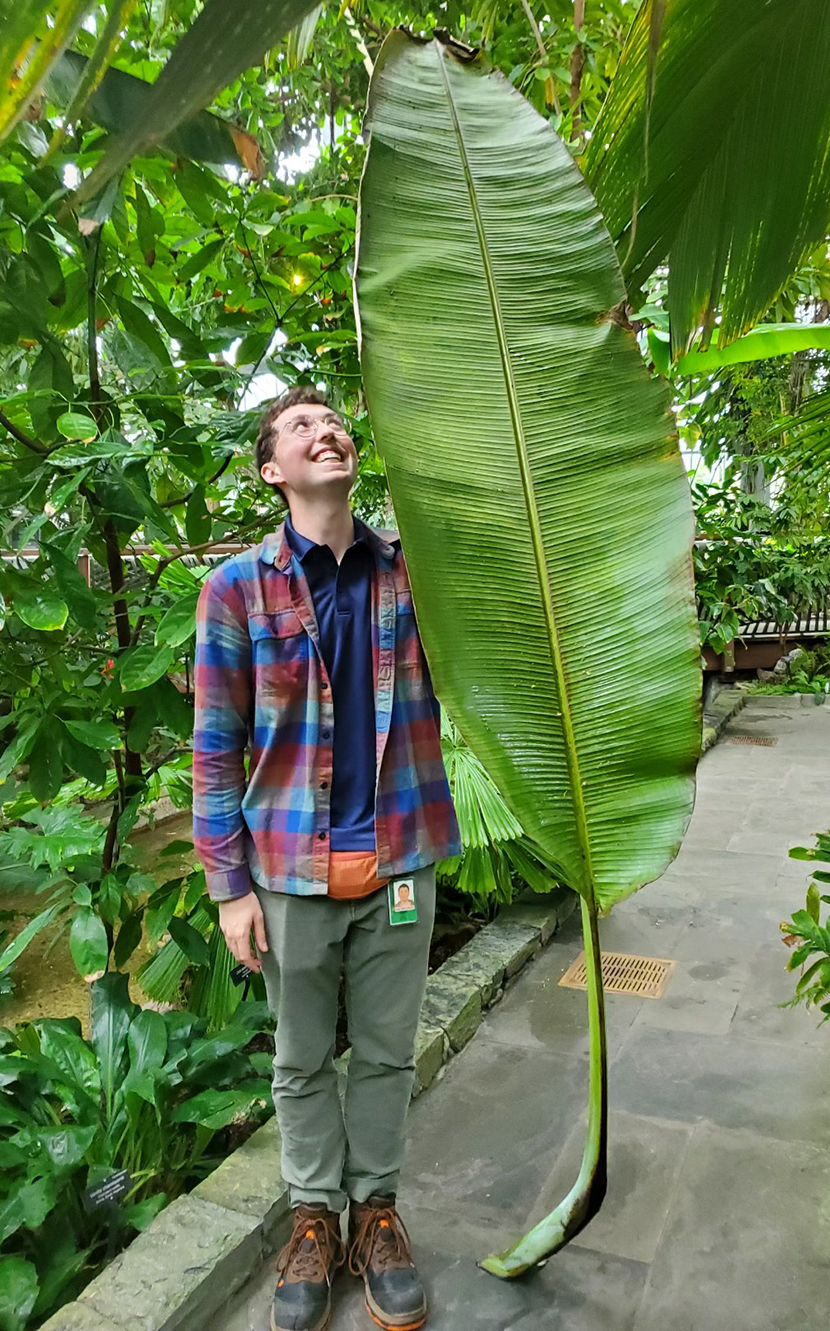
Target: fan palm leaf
[[712, 151]]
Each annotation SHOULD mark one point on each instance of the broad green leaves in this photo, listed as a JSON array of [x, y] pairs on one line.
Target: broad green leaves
[[73, 425], [18, 1292], [18, 945], [144, 665], [59, 1133], [46, 762], [762, 343], [95, 734], [121, 100], [216, 1109], [41, 608], [179, 623], [88, 944]]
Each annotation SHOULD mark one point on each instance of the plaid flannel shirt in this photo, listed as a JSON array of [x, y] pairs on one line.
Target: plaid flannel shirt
[[262, 686]]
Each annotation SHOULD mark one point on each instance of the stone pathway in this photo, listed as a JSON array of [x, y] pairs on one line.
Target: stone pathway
[[718, 1207]]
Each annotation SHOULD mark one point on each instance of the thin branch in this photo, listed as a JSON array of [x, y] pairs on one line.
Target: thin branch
[[249, 254], [174, 753], [550, 86], [282, 318], [33, 444], [112, 831], [155, 577], [182, 499], [92, 330], [381, 33], [577, 68], [112, 546]]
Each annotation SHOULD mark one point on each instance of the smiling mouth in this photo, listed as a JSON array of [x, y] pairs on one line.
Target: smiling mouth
[[329, 455]]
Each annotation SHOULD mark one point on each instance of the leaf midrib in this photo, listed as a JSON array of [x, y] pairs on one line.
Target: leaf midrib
[[572, 757]]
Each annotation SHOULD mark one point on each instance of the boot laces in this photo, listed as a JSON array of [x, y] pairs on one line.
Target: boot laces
[[313, 1252], [381, 1241]]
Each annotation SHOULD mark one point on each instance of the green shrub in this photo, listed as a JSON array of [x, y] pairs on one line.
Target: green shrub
[[149, 1093], [813, 988]]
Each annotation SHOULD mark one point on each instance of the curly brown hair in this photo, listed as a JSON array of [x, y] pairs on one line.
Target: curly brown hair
[[292, 397]]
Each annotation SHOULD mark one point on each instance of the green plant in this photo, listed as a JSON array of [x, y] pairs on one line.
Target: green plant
[[753, 562], [669, 190], [149, 1093], [813, 988], [94, 908], [548, 531], [6, 978], [497, 854], [130, 334], [192, 964]]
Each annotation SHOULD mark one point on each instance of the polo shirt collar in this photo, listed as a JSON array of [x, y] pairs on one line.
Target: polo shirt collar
[[279, 547]]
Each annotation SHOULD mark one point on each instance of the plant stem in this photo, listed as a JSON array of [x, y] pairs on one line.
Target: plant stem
[[551, 98], [115, 563], [577, 68], [583, 1201], [358, 40], [33, 444]]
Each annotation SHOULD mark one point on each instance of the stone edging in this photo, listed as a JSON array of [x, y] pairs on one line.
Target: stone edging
[[203, 1247], [720, 711]]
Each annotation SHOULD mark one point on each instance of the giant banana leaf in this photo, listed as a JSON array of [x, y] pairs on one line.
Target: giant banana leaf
[[713, 150], [542, 502], [223, 41]]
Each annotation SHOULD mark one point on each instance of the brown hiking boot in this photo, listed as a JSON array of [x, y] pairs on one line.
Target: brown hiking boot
[[307, 1265], [380, 1252]]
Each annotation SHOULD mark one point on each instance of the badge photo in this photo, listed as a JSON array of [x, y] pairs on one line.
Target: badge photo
[[402, 905]]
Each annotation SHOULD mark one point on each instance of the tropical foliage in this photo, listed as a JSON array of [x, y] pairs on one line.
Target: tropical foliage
[[734, 211], [809, 939], [177, 237], [149, 1093], [754, 561]]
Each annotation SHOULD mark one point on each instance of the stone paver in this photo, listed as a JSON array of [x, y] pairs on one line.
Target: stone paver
[[718, 1206]]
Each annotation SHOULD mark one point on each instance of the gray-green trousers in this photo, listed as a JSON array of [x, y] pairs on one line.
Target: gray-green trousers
[[311, 940]]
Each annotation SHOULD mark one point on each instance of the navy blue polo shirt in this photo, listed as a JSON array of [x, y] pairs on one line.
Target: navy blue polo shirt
[[342, 596]]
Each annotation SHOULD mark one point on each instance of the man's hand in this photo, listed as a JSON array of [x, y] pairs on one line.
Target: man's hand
[[238, 920]]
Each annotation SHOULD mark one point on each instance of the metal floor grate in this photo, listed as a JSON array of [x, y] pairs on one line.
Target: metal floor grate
[[644, 977], [766, 741]]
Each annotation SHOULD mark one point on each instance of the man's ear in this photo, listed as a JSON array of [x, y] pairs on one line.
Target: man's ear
[[270, 473]]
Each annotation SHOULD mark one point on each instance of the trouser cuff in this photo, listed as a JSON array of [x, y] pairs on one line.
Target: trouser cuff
[[333, 1201], [362, 1189]]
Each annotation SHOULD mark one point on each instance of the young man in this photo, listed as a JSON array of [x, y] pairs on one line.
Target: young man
[[308, 656]]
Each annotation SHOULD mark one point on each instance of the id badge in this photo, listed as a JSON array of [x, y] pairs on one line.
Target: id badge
[[403, 908]]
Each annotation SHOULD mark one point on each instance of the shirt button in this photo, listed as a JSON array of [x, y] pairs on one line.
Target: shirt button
[[324, 785], [325, 734], [325, 685], [321, 836]]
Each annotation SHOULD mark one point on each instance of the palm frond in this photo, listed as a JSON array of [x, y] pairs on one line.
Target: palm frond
[[735, 188]]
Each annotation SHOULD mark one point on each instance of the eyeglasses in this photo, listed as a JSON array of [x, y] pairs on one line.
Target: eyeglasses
[[305, 427]]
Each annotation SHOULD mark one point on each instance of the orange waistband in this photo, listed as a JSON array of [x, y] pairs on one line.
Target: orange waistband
[[353, 874]]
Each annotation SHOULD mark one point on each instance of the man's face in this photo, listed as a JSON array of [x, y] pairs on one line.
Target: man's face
[[312, 452]]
